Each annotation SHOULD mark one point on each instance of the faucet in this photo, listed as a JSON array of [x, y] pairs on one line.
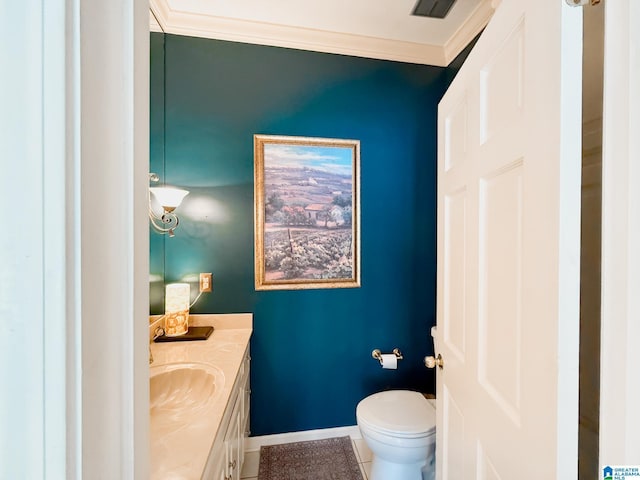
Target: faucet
[[159, 331]]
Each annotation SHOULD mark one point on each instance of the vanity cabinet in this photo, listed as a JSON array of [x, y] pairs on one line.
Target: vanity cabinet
[[227, 453], [206, 442]]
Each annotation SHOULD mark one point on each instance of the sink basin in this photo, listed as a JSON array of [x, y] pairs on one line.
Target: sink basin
[[183, 388]]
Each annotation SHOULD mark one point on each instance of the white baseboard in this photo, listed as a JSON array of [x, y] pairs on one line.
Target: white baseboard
[[252, 444]]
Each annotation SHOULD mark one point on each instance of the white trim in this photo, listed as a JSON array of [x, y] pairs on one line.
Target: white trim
[[61, 413], [160, 11], [253, 444], [468, 31], [23, 288], [260, 33], [112, 250], [620, 355], [154, 26], [568, 334], [74, 241]]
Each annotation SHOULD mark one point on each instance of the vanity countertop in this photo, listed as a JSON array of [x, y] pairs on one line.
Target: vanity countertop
[[180, 444]]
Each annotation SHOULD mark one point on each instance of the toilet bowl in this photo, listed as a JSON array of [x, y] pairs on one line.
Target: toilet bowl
[[399, 427]]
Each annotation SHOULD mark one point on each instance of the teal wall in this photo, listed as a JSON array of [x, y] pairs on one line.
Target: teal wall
[[311, 350], [156, 165]]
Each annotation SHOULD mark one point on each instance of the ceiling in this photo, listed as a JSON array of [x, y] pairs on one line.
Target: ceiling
[[382, 29]]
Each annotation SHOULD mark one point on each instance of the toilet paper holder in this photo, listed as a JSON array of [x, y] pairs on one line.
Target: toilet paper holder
[[377, 354]]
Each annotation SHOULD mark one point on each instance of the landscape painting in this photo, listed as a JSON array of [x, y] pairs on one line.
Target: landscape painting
[[307, 212]]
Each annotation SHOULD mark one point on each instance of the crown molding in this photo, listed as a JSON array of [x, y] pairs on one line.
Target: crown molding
[[468, 31], [262, 33], [154, 26], [159, 11]]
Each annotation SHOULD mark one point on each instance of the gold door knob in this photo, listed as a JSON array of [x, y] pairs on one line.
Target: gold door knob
[[431, 362]]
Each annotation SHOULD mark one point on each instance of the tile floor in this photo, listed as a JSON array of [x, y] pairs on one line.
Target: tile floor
[[363, 454]]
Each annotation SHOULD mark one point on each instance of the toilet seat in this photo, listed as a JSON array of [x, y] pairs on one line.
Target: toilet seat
[[397, 413]]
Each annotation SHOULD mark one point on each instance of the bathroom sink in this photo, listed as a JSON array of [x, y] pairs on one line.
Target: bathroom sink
[[183, 389]]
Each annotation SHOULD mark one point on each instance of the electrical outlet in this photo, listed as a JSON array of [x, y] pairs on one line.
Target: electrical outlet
[[206, 282]]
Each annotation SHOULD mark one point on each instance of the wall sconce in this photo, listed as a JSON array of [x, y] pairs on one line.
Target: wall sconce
[[169, 199]]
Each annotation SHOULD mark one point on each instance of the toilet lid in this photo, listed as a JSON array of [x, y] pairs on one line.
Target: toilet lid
[[398, 412]]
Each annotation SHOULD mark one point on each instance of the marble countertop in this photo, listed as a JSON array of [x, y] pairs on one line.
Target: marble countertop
[[180, 445]]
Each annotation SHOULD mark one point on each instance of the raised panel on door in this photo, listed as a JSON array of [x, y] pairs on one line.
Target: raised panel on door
[[232, 439], [502, 87], [455, 135], [246, 393], [454, 272], [486, 468], [500, 287], [454, 246], [453, 454]]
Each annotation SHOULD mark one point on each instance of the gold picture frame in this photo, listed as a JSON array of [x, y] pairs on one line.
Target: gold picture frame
[[306, 212]]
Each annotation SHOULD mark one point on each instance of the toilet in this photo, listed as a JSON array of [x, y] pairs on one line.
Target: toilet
[[399, 427]]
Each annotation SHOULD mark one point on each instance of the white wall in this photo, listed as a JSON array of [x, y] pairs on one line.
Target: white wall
[[74, 278], [33, 281], [114, 66]]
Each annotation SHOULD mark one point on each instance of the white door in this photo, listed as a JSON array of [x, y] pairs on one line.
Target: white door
[[509, 250]]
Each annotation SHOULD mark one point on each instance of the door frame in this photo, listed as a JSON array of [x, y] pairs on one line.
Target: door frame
[[620, 356], [74, 282]]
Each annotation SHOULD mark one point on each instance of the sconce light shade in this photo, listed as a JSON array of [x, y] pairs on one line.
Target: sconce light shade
[[169, 197], [176, 309]]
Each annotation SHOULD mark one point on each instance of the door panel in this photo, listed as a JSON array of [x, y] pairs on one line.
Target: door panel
[[501, 87], [455, 283], [508, 250], [454, 431], [500, 288], [486, 469]]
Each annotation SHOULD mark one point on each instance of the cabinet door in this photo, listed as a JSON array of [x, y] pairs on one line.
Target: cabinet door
[[244, 417], [232, 442], [245, 392], [215, 468]]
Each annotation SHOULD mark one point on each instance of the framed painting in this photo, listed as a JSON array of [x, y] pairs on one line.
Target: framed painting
[[306, 212]]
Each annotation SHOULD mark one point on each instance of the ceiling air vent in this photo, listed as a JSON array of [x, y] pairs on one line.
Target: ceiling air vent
[[433, 8]]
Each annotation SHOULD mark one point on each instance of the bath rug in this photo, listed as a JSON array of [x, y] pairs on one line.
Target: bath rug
[[328, 459]]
